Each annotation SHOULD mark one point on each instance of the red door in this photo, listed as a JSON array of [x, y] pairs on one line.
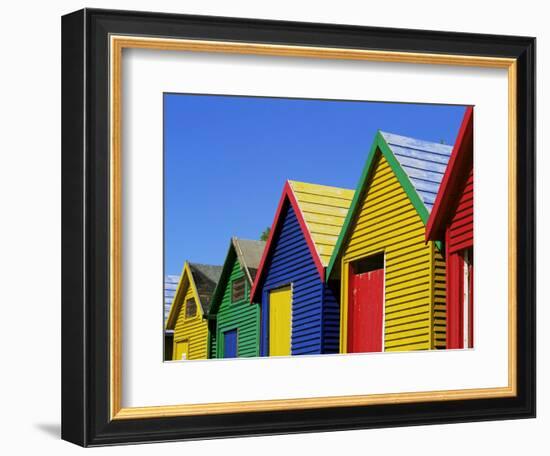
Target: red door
[[460, 299], [365, 311]]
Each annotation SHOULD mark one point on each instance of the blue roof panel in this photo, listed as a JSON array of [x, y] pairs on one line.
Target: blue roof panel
[[424, 163]]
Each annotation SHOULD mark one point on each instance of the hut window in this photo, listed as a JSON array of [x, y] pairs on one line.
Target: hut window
[[190, 308], [237, 290], [368, 264]]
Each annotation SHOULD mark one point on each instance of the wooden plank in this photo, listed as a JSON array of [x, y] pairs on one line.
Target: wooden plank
[[280, 317], [330, 201], [324, 190], [388, 221], [316, 208]]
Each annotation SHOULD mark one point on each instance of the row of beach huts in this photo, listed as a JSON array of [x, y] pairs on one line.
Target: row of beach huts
[[387, 267]]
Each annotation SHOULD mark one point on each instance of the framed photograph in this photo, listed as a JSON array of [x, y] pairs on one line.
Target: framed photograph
[[270, 227]]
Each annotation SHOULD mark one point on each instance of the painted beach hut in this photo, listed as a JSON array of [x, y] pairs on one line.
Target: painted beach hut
[[189, 312], [170, 285], [392, 280], [299, 312], [452, 221], [235, 322]]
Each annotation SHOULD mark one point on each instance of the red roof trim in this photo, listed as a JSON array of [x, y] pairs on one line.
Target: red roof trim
[[459, 160], [288, 195], [307, 234]]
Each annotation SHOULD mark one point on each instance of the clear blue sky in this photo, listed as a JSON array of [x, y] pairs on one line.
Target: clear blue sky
[[226, 159]]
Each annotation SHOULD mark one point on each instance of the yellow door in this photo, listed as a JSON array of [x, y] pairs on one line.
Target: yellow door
[[181, 350], [280, 318]]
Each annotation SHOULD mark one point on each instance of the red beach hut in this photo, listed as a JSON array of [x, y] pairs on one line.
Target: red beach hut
[[452, 220]]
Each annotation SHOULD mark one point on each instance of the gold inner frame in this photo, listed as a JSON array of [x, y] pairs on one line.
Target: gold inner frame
[[117, 44]]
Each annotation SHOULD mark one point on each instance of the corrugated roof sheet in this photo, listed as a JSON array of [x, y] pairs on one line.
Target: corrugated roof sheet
[[424, 163], [206, 277], [170, 285], [324, 210]]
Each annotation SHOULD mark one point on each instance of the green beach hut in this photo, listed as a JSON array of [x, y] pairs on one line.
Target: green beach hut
[[234, 321]]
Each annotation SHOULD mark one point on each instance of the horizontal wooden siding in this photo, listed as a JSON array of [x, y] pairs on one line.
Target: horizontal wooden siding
[[290, 263], [240, 315], [461, 228], [389, 223], [440, 308], [195, 330]]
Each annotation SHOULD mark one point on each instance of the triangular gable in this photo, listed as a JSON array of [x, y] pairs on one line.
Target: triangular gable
[[424, 163], [287, 198], [248, 254], [324, 209], [186, 281], [413, 163], [217, 296], [459, 165], [205, 277]]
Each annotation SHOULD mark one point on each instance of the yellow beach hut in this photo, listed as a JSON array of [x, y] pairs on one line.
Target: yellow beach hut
[[188, 316], [392, 280]]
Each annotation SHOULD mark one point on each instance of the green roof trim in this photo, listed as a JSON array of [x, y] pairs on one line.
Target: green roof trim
[[380, 144], [246, 253], [217, 296], [404, 180]]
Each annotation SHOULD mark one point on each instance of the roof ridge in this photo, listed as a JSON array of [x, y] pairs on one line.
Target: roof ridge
[[382, 146], [415, 138], [287, 197], [240, 256], [447, 153], [301, 215], [461, 154], [203, 264], [291, 181]]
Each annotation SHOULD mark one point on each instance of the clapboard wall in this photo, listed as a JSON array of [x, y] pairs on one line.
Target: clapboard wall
[[193, 329], [240, 315], [461, 228], [290, 262], [388, 222]]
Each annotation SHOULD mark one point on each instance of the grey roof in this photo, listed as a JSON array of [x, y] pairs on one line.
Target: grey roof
[[206, 277], [170, 285], [424, 163], [249, 253]]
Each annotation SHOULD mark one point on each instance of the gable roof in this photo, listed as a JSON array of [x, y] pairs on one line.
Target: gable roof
[[248, 253], [206, 277], [459, 166], [321, 211], [419, 167], [324, 210], [203, 278], [424, 163]]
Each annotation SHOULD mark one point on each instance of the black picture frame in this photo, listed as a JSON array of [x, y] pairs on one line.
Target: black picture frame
[[85, 228]]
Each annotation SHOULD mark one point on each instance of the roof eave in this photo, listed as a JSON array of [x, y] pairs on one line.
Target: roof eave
[[171, 320], [216, 298], [380, 144], [459, 160], [287, 195], [353, 206], [261, 267], [240, 257]]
